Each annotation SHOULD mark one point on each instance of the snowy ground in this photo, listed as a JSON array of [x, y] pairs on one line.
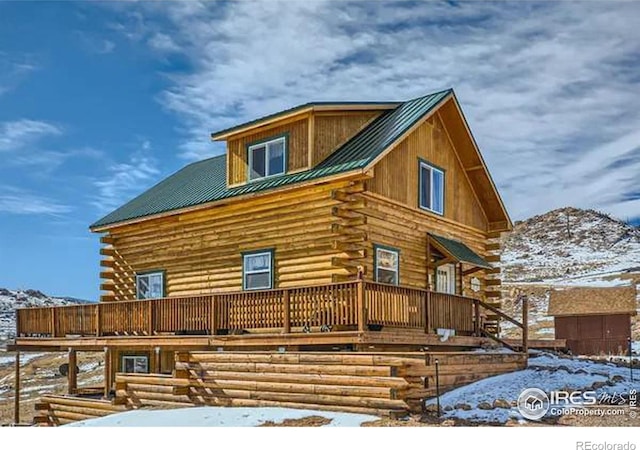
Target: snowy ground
[[476, 402], [24, 358], [219, 417]]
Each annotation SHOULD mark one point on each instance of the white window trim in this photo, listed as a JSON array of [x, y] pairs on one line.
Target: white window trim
[[396, 269], [431, 190], [134, 357], [251, 272], [266, 145], [149, 274]]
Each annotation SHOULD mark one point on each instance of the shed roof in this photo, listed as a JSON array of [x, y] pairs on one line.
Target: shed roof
[[582, 301], [459, 251]]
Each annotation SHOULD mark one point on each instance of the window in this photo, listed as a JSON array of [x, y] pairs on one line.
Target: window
[[257, 270], [267, 159], [431, 188], [150, 285], [135, 364], [386, 265]]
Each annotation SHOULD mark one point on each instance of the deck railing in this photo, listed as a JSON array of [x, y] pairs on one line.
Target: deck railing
[[358, 305]]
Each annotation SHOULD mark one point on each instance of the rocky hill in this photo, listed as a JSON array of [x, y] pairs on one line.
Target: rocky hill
[[570, 245], [567, 246], [10, 300]]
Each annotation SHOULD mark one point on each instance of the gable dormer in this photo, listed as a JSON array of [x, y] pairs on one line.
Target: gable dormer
[[294, 140]]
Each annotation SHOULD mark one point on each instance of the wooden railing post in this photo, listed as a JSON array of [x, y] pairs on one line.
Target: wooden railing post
[[525, 324], [360, 305], [286, 311], [213, 318], [150, 310], [476, 314], [54, 322], [98, 321], [427, 316]]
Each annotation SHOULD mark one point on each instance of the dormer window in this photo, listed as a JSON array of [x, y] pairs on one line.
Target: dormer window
[[267, 158]]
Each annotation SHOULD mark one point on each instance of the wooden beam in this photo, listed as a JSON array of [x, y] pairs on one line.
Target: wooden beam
[[107, 372], [108, 251], [525, 325], [107, 240], [16, 383], [472, 270], [472, 168], [72, 375], [157, 361], [492, 246], [492, 258]]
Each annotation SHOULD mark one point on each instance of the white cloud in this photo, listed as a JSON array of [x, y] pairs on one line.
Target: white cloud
[[19, 201], [15, 135], [547, 87], [124, 180], [163, 43], [14, 70]]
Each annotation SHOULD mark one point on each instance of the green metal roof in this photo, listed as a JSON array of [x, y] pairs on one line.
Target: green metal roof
[[292, 110], [205, 181], [460, 251]]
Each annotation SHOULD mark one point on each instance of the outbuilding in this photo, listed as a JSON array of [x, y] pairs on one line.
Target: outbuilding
[[594, 320]]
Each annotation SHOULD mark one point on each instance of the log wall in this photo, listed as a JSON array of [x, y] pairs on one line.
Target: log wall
[[200, 251]]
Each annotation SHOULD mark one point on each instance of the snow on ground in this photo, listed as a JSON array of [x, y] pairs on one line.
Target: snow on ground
[[24, 358], [219, 417], [547, 372]]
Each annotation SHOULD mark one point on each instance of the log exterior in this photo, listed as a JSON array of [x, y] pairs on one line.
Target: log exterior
[[320, 232]]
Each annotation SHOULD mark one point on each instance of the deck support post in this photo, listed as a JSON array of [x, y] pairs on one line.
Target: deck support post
[[360, 305], [72, 376], [525, 324], [107, 372], [157, 361], [16, 399]]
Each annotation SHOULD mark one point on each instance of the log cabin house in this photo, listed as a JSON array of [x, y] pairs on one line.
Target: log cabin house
[[334, 226]]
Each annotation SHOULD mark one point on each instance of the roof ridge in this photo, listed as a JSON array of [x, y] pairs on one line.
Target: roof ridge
[[442, 91]]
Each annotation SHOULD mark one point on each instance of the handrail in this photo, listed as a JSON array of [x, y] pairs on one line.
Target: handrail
[[351, 305]]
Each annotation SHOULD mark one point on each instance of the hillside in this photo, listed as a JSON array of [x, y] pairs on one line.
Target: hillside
[[566, 247], [10, 300]]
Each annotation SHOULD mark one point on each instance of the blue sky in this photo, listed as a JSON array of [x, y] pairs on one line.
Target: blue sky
[[99, 101]]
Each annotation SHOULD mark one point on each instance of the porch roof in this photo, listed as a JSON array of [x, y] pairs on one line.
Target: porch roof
[[459, 251]]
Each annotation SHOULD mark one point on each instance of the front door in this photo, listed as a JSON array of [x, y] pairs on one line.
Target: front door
[[446, 278]]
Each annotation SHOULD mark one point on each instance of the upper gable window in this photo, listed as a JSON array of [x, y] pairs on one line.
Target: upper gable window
[[431, 188], [267, 158]]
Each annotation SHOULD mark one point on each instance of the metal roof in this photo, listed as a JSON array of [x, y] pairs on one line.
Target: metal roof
[[205, 181], [295, 109], [460, 251]]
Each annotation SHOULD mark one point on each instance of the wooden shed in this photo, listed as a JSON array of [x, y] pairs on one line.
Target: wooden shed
[[594, 320]]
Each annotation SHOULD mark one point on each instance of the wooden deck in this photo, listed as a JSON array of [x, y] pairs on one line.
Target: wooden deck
[[351, 313]]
